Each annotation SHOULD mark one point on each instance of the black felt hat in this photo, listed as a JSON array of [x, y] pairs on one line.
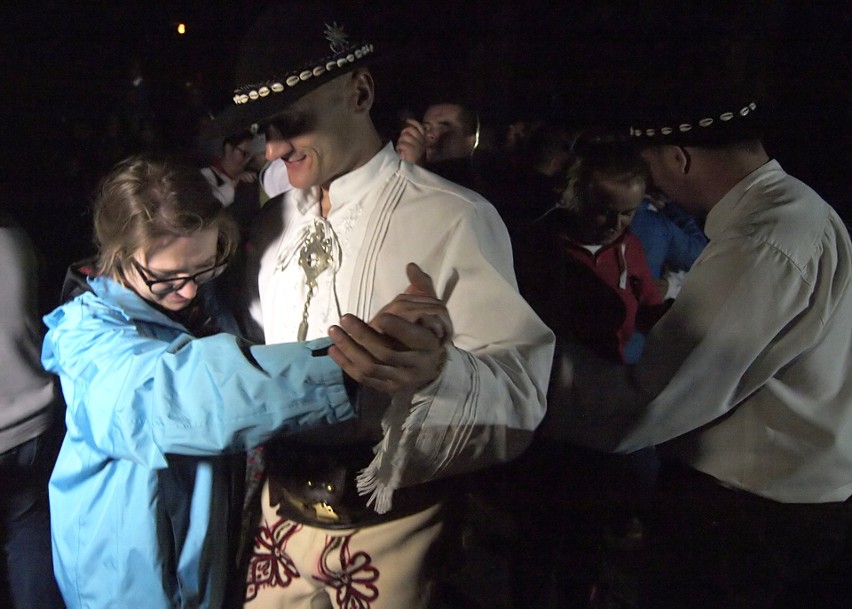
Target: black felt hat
[[713, 122], [290, 50], [712, 95]]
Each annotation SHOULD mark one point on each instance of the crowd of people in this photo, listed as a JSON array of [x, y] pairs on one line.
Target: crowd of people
[[323, 364]]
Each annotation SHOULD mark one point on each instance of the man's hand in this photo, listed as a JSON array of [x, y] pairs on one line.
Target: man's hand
[[418, 304], [403, 346], [411, 145]]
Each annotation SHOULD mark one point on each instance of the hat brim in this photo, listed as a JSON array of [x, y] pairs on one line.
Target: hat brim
[[735, 123], [237, 118], [254, 105]]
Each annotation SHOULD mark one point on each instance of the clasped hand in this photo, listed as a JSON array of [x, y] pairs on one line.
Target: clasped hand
[[403, 347]]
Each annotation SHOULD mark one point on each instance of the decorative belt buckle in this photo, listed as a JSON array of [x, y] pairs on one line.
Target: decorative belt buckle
[[324, 511], [322, 508]]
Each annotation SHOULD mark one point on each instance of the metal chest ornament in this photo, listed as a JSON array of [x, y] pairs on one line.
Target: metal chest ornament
[[315, 256]]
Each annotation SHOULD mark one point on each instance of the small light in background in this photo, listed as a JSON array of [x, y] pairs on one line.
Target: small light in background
[[181, 28]]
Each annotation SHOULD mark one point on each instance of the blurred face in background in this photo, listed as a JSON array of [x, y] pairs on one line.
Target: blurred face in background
[[236, 157], [445, 133], [609, 208]]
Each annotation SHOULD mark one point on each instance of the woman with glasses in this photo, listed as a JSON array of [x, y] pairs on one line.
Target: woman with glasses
[[143, 496]]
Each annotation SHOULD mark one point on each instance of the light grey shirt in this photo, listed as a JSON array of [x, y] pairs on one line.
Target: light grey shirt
[[26, 390], [749, 376]]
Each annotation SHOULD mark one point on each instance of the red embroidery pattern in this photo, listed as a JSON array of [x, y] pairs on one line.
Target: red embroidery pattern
[[355, 582], [270, 566]]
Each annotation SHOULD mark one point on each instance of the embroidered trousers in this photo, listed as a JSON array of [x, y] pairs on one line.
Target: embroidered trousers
[[383, 566]]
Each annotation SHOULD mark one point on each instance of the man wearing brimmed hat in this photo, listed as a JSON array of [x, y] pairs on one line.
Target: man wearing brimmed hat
[[746, 382], [350, 516]]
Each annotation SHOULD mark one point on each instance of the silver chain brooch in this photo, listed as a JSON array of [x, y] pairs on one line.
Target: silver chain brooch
[[315, 256]]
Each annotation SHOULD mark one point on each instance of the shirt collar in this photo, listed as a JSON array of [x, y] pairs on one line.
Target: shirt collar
[[354, 185], [351, 186], [732, 205]]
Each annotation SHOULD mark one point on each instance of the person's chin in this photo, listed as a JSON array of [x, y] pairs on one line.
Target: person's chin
[[175, 305]]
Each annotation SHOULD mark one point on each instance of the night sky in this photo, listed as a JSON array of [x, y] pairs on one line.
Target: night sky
[[66, 64]]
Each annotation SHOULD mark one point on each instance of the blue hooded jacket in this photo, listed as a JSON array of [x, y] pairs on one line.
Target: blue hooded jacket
[[139, 496]]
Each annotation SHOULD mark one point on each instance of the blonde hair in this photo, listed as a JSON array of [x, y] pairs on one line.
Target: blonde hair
[[598, 155], [143, 200]]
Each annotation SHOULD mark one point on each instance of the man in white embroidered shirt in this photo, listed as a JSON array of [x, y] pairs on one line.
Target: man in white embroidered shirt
[[746, 383], [350, 516]]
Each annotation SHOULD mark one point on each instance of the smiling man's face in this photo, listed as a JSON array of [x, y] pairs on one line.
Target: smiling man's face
[[311, 136]]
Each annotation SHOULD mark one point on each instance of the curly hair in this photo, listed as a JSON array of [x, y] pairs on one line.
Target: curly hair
[[144, 199]]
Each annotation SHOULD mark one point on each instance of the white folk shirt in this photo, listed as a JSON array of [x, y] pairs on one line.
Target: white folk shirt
[[490, 396], [749, 376]]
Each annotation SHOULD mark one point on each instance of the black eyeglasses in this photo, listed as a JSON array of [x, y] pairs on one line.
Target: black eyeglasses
[[161, 287]]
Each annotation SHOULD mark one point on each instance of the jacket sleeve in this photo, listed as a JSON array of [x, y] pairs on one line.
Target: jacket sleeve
[[490, 396], [138, 397]]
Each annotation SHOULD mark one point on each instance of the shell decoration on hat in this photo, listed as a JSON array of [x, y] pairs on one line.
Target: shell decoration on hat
[[705, 122], [339, 45]]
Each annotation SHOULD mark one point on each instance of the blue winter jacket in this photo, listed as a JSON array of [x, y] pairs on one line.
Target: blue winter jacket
[[139, 497]]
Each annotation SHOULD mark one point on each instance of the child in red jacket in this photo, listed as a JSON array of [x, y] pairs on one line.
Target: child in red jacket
[[595, 283]]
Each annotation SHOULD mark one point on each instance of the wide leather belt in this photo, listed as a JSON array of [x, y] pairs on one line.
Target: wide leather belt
[[315, 485]]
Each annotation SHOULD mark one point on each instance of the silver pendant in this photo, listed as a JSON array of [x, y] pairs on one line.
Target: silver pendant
[[315, 256]]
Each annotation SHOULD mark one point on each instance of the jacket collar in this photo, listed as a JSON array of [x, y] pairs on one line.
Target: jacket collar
[[129, 303]]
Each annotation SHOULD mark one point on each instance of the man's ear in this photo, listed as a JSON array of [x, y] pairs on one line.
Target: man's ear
[[683, 159], [363, 88]]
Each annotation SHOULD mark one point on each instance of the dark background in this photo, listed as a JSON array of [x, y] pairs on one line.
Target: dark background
[[65, 68]]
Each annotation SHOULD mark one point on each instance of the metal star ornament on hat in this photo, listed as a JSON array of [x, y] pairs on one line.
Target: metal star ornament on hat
[[290, 50]]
